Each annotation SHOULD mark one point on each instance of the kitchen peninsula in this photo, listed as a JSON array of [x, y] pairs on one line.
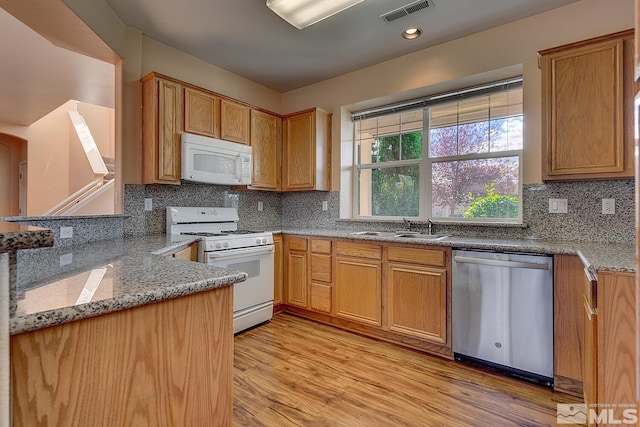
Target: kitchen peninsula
[[119, 322]]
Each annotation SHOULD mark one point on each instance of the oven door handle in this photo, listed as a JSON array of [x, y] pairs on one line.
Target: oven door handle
[[243, 252]]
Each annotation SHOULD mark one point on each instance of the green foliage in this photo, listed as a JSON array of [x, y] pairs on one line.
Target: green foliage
[[492, 205], [395, 189]]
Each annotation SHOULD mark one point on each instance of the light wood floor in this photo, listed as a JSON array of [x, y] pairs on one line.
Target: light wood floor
[[293, 372]]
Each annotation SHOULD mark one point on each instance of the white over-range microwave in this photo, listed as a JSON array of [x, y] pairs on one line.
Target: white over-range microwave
[[214, 161]]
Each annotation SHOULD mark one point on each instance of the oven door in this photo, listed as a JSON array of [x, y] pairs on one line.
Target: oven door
[[253, 298]]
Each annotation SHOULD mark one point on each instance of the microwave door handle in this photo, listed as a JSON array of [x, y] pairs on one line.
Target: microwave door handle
[[239, 168]]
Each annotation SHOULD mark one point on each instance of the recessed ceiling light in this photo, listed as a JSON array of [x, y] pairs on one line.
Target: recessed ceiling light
[[412, 33]]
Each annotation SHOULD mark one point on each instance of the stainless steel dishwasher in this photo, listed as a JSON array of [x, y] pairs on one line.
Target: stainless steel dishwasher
[[502, 307]]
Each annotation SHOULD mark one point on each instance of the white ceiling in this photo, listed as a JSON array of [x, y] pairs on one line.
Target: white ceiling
[[242, 36], [247, 38]]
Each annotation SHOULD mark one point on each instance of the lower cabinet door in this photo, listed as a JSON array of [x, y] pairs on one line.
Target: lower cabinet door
[[417, 301], [359, 290], [296, 289]]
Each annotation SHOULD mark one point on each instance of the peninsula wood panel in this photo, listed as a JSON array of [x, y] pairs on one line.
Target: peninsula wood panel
[[568, 323], [266, 143], [418, 301], [234, 122], [588, 91], [158, 364], [162, 125], [359, 290], [201, 113]]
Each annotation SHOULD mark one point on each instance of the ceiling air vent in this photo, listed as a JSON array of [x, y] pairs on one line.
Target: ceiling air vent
[[406, 10]]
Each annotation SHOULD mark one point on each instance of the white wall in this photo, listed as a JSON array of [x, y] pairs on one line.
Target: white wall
[[56, 164], [458, 63]]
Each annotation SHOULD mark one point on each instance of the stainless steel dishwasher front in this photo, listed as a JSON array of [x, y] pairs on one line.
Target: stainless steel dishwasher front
[[502, 307]]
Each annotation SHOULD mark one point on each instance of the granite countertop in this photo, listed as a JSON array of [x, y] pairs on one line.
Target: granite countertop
[[14, 237], [596, 256], [59, 285]]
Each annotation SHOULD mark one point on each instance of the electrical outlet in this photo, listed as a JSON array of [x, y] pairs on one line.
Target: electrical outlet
[[608, 206], [66, 259], [325, 205], [557, 205], [260, 207], [66, 232], [148, 204]]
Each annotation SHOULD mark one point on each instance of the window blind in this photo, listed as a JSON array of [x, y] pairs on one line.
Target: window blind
[[441, 98]]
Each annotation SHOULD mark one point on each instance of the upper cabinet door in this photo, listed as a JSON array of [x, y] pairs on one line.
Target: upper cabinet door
[[307, 151], [161, 128], [201, 113], [234, 122], [266, 143], [587, 130]]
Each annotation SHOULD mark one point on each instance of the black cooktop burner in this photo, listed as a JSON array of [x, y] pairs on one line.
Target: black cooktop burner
[[241, 231]]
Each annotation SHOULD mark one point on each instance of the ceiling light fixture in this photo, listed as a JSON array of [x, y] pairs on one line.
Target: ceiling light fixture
[[302, 13], [412, 33]]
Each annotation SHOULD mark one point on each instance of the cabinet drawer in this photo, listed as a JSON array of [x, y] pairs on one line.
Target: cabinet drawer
[[321, 297], [321, 246], [297, 243], [417, 256], [359, 250], [321, 268]]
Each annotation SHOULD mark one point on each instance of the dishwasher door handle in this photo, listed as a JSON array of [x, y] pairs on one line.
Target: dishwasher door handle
[[500, 263]]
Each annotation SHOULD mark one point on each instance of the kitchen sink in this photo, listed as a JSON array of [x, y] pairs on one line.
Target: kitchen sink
[[421, 236], [400, 235]]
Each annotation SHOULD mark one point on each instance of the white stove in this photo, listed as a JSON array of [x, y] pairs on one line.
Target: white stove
[[221, 244]]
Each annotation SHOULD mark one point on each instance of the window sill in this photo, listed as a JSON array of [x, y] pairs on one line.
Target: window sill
[[435, 221]]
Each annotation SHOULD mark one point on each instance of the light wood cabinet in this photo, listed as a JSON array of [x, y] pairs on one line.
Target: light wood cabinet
[[190, 253], [157, 364], [201, 113], [568, 323], [397, 293], [278, 273], [588, 90], [162, 115], [321, 275], [296, 271], [418, 293], [307, 151], [266, 143], [234, 122], [609, 362], [359, 282]]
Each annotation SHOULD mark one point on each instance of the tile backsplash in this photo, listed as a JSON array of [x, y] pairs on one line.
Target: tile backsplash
[[583, 221]]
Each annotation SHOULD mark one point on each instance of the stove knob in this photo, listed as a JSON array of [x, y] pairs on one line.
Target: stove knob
[[264, 240], [226, 244], [218, 245], [258, 241]]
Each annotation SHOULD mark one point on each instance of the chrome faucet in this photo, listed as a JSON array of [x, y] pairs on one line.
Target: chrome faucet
[[430, 225], [407, 224]]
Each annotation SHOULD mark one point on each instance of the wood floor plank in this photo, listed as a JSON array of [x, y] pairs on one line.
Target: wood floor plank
[[294, 372]]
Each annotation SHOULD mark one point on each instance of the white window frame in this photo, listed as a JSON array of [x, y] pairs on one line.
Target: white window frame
[[426, 162]]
